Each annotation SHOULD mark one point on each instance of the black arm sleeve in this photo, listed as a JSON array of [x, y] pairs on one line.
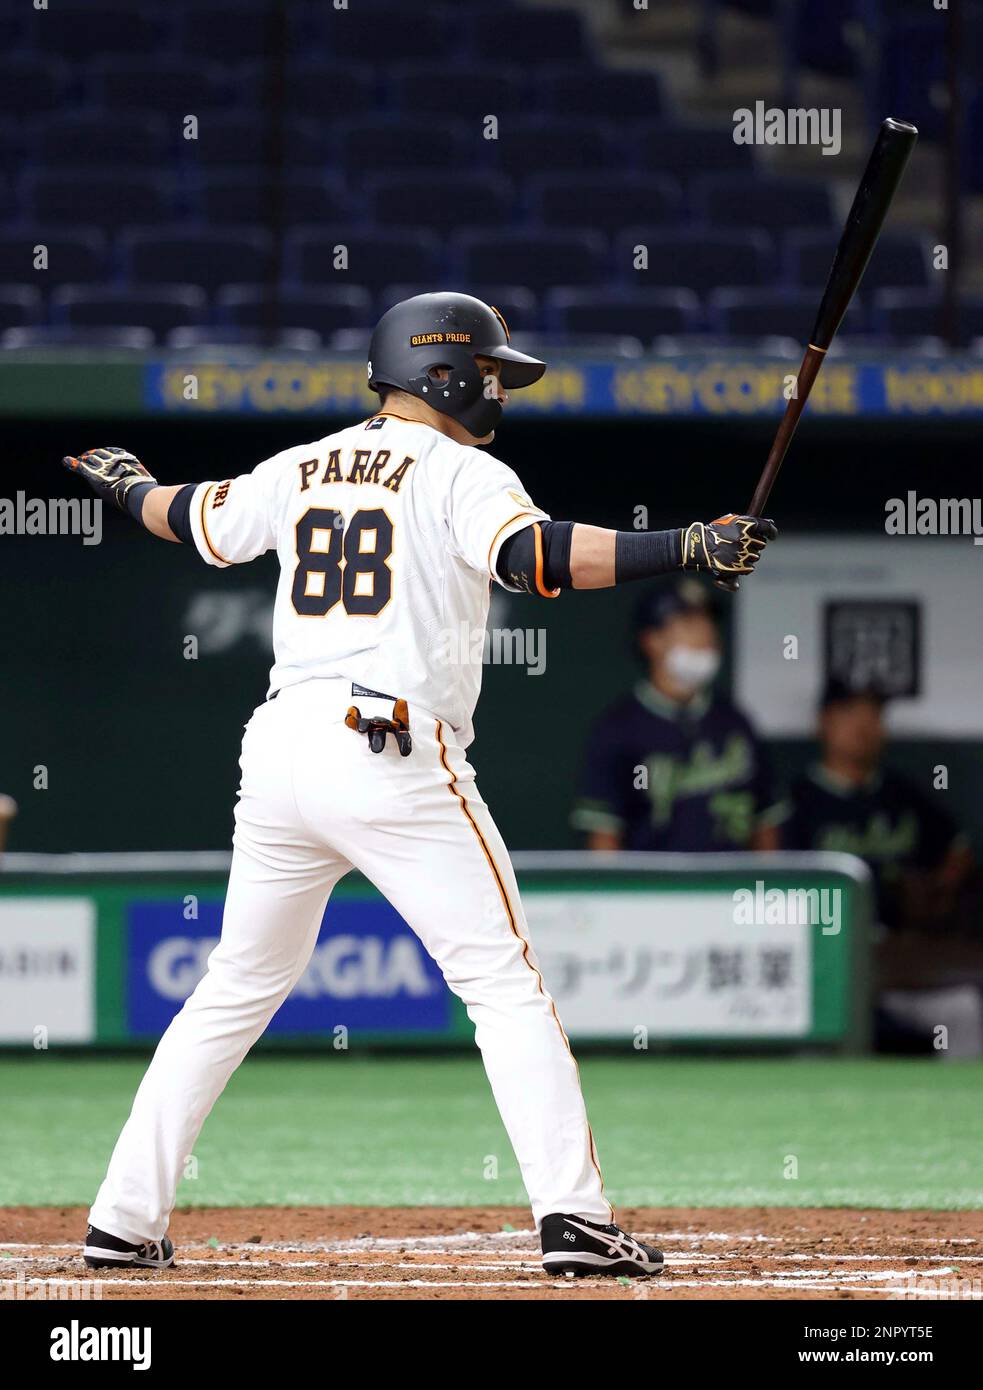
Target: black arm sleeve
[[544, 568], [179, 513]]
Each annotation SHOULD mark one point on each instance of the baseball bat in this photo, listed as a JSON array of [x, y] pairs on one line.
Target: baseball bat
[[892, 149]]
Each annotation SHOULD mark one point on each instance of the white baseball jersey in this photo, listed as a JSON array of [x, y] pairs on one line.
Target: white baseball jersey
[[387, 534]]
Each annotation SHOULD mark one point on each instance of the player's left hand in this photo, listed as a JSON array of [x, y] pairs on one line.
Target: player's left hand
[[727, 547], [111, 472]]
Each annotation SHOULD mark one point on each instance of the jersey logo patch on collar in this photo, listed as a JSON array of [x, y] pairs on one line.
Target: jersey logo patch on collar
[[376, 423]]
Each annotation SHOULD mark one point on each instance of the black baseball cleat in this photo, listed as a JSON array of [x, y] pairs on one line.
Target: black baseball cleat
[[103, 1251], [574, 1245]]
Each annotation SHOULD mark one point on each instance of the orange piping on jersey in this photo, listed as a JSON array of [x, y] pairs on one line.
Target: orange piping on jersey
[[541, 588], [531, 515], [391, 415], [500, 884], [204, 528]]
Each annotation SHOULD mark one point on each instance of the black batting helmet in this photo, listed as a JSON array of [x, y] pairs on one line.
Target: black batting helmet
[[448, 330]]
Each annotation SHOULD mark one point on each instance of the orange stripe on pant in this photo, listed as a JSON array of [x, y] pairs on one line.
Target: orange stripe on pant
[[453, 787]]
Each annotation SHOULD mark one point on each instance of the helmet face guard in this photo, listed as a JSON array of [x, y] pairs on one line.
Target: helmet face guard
[[448, 330]]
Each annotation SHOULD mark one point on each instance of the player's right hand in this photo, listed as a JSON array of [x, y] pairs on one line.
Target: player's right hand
[[111, 472], [728, 547]]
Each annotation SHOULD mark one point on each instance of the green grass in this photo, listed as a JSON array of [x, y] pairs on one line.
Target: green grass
[[378, 1131]]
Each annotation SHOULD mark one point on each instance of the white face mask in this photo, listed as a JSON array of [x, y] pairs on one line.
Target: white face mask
[[692, 667]]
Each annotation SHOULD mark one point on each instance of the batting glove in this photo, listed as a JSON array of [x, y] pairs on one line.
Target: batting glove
[[727, 547], [112, 472]]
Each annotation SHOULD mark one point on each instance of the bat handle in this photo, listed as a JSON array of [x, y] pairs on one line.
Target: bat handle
[[731, 584]]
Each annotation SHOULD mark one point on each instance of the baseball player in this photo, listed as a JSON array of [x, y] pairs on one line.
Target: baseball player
[[389, 535]]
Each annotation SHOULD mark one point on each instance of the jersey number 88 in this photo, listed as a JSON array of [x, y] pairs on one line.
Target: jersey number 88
[[343, 564]]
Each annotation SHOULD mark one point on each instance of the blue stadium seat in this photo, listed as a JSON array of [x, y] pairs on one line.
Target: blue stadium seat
[[530, 37], [91, 136], [518, 306], [221, 337], [106, 197], [699, 261], [176, 86], [324, 310], [685, 151], [75, 255], [461, 92], [239, 196], [538, 260], [907, 313], [377, 144], [443, 201], [208, 258], [772, 312], [223, 31], [318, 90], [734, 200], [640, 313], [908, 86], [899, 259], [31, 83], [615, 93], [606, 202], [819, 36], [254, 138], [20, 306], [385, 28], [160, 308], [548, 144], [119, 28], [375, 258]]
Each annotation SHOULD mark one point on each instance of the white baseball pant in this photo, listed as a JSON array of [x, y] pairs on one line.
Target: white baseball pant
[[315, 802]]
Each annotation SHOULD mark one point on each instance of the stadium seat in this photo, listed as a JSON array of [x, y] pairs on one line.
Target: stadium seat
[[91, 136], [919, 314], [443, 201], [121, 28], [77, 255], [376, 144], [318, 90], [913, 87], [463, 92], [547, 145], [899, 259], [538, 260], [160, 308], [606, 202], [176, 86], [324, 310], [819, 36], [639, 313], [105, 197], [238, 196], [734, 200], [224, 31], [374, 258], [31, 83], [20, 306], [530, 37], [207, 258], [60, 336], [221, 337], [685, 151], [772, 313], [699, 261], [255, 138], [618, 93], [367, 33]]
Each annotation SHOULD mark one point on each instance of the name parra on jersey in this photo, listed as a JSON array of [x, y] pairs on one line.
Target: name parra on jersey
[[387, 534]]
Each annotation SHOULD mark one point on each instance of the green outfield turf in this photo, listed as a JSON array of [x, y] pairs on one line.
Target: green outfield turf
[[377, 1131]]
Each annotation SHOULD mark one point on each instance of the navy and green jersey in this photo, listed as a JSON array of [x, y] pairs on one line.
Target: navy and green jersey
[[888, 822], [664, 776]]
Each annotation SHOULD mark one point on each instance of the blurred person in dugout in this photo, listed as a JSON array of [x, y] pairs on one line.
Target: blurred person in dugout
[[8, 810], [928, 967], [674, 765]]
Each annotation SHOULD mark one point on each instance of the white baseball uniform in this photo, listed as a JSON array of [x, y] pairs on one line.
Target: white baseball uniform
[[387, 535]]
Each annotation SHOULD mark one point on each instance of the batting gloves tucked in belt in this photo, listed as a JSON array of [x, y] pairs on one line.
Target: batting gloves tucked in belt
[[112, 472], [728, 546]]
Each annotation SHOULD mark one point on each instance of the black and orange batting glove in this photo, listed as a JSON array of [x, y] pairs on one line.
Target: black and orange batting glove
[[112, 472], [730, 546]]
